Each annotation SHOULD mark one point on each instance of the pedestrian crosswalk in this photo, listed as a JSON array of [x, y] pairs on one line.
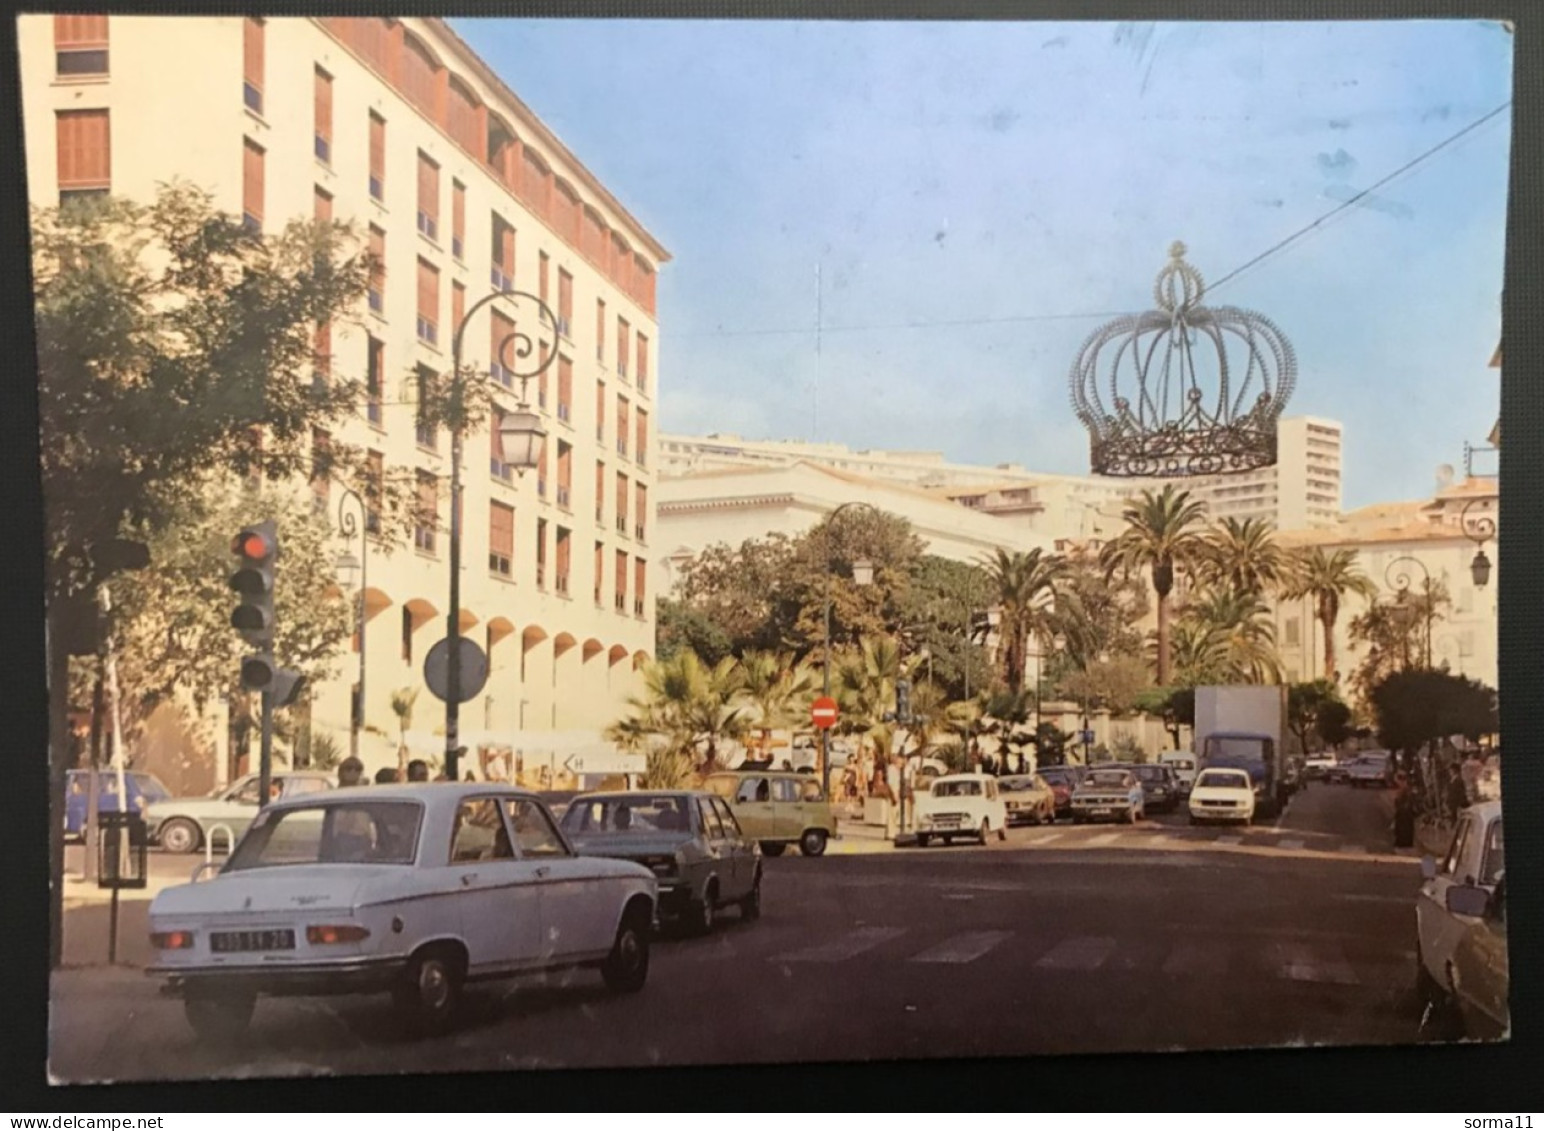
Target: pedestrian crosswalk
[[1166, 836], [1317, 960]]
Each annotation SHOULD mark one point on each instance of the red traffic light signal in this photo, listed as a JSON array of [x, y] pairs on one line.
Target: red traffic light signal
[[257, 548], [254, 545]]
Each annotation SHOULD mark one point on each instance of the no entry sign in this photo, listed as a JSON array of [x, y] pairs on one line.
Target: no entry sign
[[823, 712]]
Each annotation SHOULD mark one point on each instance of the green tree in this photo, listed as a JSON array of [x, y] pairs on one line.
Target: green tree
[[1116, 684], [1327, 579], [824, 558], [1026, 586], [682, 627], [1176, 706], [1242, 557], [778, 692], [1395, 634], [864, 687], [1415, 706], [1240, 622], [1306, 704], [1162, 534], [1101, 618], [739, 594], [935, 610]]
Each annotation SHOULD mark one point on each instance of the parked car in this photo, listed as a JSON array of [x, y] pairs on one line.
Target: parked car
[[558, 800], [1182, 764], [1455, 898], [962, 805], [1340, 772], [1109, 793], [690, 841], [1370, 770], [1480, 976], [1062, 780], [1029, 799], [1317, 767], [778, 809], [1159, 789], [411, 890], [184, 824], [143, 791], [1222, 795]]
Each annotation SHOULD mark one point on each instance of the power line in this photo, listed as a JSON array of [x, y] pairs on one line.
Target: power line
[[1274, 249]]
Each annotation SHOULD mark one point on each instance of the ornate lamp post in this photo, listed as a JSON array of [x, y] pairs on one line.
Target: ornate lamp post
[[1479, 530], [522, 436], [349, 525], [1401, 585], [862, 574], [1156, 405]]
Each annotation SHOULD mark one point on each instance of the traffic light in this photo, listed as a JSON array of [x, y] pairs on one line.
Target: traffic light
[[256, 549], [903, 701]]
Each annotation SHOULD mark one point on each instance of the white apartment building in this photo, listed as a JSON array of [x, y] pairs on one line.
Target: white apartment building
[[398, 127]]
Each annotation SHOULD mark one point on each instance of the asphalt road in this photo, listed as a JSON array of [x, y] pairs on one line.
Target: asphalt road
[[1153, 940]]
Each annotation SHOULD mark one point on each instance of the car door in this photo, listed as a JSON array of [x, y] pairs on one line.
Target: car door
[[237, 809], [788, 808], [743, 847], [579, 905], [496, 893], [714, 840], [753, 805], [1439, 930]]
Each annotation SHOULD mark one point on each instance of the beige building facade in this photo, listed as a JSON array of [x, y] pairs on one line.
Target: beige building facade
[[399, 128]]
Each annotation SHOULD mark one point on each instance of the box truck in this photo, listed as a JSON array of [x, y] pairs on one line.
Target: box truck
[[1244, 728]]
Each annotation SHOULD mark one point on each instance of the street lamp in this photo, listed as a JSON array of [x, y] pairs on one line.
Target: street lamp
[[351, 525], [522, 436], [1401, 585], [863, 575], [1479, 530]]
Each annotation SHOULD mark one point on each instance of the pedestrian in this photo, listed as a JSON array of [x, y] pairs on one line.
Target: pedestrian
[[418, 770], [351, 771], [1457, 793], [386, 775], [1473, 768], [1404, 812]]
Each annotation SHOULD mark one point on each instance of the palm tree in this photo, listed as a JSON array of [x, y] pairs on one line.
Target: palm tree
[[1326, 579], [777, 690], [402, 701], [1026, 585], [1242, 557], [1241, 623], [1198, 652], [1161, 535], [689, 704], [864, 685]]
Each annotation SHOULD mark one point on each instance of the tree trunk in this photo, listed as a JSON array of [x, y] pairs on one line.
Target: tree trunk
[[1163, 640], [1327, 622], [58, 766]]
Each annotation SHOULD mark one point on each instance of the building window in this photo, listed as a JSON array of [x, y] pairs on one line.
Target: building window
[[377, 157], [565, 473], [501, 539], [252, 186], [565, 544], [458, 220], [600, 330], [503, 273], [323, 117], [428, 197], [426, 515], [428, 303], [622, 340], [640, 509], [375, 376], [499, 469], [565, 389], [621, 599], [565, 301], [80, 46], [252, 64], [641, 455], [600, 491], [643, 364], [600, 571], [541, 472], [621, 503], [600, 411], [622, 426], [85, 154], [427, 433], [640, 574], [541, 553], [500, 328], [377, 285]]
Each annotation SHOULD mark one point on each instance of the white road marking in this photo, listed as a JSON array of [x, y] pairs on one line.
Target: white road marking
[[1048, 838], [1298, 963], [1078, 954], [1102, 839], [840, 950], [1289, 842], [963, 948], [1230, 839], [1194, 958]]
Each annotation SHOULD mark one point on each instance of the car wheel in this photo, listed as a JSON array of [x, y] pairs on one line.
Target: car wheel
[[181, 836], [700, 918], [750, 906], [923, 840], [219, 1017], [626, 968], [813, 842], [429, 995], [1002, 835], [772, 848]]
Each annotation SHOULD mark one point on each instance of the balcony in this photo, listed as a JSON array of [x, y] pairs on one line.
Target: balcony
[[638, 607], [621, 602], [541, 575]]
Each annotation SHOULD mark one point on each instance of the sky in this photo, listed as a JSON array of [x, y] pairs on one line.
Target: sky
[[977, 198]]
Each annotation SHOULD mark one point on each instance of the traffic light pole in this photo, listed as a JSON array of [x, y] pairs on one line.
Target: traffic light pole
[[265, 754], [453, 621]]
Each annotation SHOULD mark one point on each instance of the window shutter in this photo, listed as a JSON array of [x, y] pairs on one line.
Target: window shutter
[[458, 213], [252, 53], [428, 188], [80, 31], [640, 574], [621, 579], [85, 152], [324, 106], [501, 530], [457, 305], [565, 381], [378, 149], [428, 292], [252, 181], [621, 499]]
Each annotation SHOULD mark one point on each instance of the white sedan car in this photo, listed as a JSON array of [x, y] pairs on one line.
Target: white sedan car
[[1222, 795], [962, 805], [412, 890]]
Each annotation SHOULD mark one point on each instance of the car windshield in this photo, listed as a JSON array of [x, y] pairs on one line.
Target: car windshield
[[635, 813], [1016, 784], [1223, 779], [1151, 773], [956, 789], [1107, 779], [1180, 763], [1059, 777], [150, 787], [355, 832]]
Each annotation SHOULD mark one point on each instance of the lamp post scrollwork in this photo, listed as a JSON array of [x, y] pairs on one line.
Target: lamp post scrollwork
[[1479, 530], [349, 526], [1400, 583]]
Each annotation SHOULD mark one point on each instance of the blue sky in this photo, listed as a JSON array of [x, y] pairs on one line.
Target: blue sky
[[991, 173]]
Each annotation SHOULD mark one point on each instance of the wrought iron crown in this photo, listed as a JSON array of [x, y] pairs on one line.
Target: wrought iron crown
[[1158, 404]]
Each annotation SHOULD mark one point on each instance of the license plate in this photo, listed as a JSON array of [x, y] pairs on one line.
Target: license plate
[[1101, 812], [948, 824], [236, 942]]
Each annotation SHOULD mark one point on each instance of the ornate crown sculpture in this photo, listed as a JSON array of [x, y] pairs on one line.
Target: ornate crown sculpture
[[1156, 406]]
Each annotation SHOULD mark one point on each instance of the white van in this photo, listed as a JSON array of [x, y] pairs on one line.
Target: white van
[[1182, 764]]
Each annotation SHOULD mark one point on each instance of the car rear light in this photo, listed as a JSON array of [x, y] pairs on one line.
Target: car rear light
[[324, 936], [172, 940]]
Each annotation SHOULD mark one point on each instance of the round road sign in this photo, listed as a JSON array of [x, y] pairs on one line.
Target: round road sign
[[474, 670], [823, 712]]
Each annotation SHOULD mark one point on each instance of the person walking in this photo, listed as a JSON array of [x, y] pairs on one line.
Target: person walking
[[351, 772], [386, 775], [1457, 794], [418, 770]]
